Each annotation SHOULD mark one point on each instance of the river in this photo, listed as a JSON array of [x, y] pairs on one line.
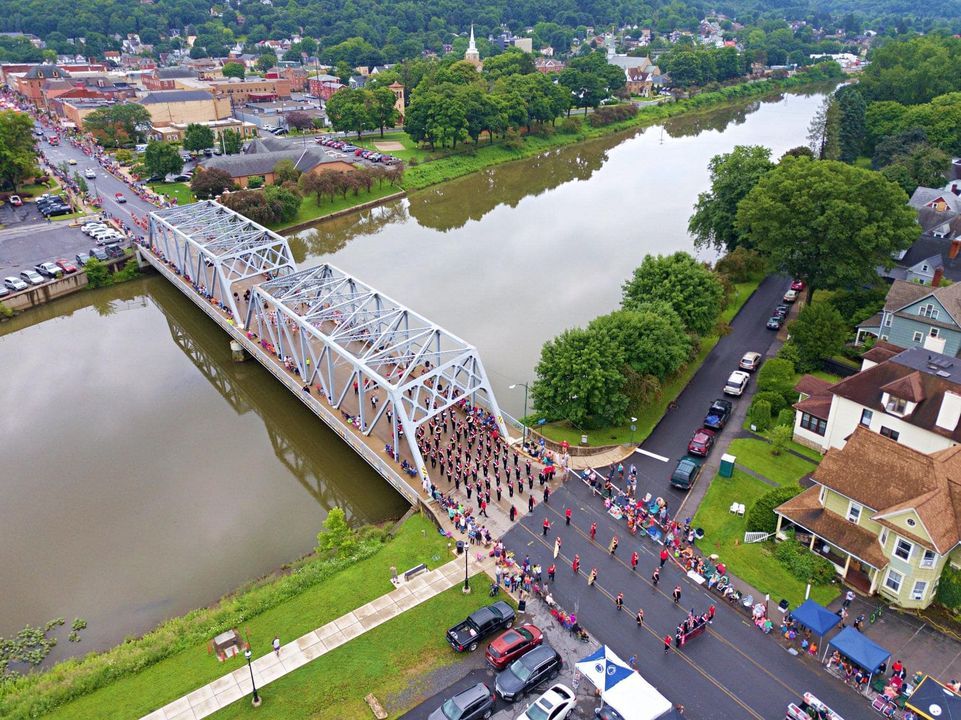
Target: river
[[145, 473]]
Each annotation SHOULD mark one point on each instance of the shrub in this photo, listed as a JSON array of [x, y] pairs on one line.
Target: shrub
[[760, 414], [513, 140], [760, 517], [610, 114], [570, 126], [775, 400], [780, 437], [129, 272], [804, 564], [255, 181], [98, 274], [5, 311], [741, 265], [777, 375], [949, 588], [785, 417]]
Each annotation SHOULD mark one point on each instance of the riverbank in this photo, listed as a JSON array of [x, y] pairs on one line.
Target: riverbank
[[136, 677]]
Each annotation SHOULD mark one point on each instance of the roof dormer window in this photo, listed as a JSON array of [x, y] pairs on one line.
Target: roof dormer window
[[896, 405], [928, 311]]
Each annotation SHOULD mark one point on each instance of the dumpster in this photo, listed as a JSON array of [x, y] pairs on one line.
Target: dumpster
[[727, 466]]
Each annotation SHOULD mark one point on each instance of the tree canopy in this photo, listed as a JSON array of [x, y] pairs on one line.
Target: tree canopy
[[198, 137], [162, 159], [210, 182], [648, 338], [118, 125], [818, 332], [825, 222], [18, 159], [733, 175]]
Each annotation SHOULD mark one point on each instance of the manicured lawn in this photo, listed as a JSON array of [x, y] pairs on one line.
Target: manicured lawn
[[754, 563], [310, 210], [384, 661], [180, 191], [136, 695], [796, 447], [410, 151], [68, 216], [756, 455], [649, 416]]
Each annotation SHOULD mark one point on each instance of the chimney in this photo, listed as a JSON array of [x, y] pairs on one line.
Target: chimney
[[938, 274], [955, 247]]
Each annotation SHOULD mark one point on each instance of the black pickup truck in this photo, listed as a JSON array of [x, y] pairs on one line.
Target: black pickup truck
[[718, 414], [479, 624]]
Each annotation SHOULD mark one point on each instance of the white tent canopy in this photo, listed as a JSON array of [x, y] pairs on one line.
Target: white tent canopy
[[621, 687]]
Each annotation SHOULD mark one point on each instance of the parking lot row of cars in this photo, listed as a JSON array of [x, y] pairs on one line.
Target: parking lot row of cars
[[779, 316], [371, 155]]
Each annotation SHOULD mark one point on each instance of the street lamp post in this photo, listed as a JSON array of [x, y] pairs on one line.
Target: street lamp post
[[255, 700], [633, 428], [466, 577], [526, 388]]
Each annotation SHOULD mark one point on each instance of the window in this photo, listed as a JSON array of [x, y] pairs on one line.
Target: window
[[889, 433], [928, 311], [815, 425], [866, 416], [821, 494], [854, 512], [892, 581], [934, 332], [887, 320], [917, 337], [902, 549], [924, 268], [917, 593], [896, 405], [928, 559], [910, 522], [884, 337], [884, 537]]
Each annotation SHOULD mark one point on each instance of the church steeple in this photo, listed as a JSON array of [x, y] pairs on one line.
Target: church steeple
[[472, 55]]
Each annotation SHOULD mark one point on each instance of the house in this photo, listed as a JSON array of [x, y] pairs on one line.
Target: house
[[30, 84], [168, 78], [176, 131], [263, 155], [253, 90], [639, 72], [911, 396], [549, 65], [939, 215], [887, 516], [919, 316], [184, 106], [324, 86]]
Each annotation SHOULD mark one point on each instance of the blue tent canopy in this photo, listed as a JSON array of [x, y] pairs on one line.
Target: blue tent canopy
[[815, 617], [860, 649]]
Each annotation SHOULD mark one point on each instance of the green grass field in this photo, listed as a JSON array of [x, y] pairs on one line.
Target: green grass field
[[180, 191], [310, 210], [136, 695], [649, 416], [385, 661], [410, 152], [756, 455]]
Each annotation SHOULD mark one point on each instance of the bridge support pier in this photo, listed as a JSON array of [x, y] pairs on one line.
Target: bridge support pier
[[237, 351]]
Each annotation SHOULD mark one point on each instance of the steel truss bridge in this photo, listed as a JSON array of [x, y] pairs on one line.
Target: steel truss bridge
[[371, 368]]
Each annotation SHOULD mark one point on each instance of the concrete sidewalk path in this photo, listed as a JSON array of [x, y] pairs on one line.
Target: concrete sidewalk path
[[221, 692]]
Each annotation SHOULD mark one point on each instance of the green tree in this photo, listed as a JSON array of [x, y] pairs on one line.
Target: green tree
[[299, 120], [337, 537], [349, 111], [693, 290], [781, 436], [198, 137], [18, 159], [97, 272], [284, 203], [648, 338], [118, 125], [286, 171], [777, 375], [266, 61], [234, 69], [231, 142], [162, 159], [512, 61], [852, 127], [586, 90], [123, 156], [579, 378], [919, 165], [818, 332], [824, 131], [383, 114], [210, 182], [733, 176], [825, 222]]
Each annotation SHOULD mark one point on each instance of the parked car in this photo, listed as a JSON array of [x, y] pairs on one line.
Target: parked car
[[99, 253], [718, 414], [686, 473], [555, 704], [737, 383], [15, 200], [774, 322], [4, 291], [91, 228], [66, 266], [790, 296], [32, 277], [184, 177], [119, 197], [480, 623], [798, 285], [71, 161], [750, 361], [475, 702], [782, 311], [90, 174], [510, 645], [113, 249], [15, 283], [82, 259], [701, 442], [527, 672], [48, 269]]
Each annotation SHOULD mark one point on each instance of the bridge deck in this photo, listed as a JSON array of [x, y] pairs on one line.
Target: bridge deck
[[371, 447]]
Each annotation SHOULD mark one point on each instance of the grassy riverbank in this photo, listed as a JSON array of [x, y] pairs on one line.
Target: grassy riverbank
[[650, 415], [138, 676]]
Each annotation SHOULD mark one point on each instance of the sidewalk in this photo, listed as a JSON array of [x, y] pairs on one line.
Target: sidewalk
[[221, 692]]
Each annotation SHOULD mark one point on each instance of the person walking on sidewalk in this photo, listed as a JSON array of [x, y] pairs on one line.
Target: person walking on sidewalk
[[655, 576], [619, 601], [640, 617], [513, 513], [592, 578], [677, 594], [593, 530], [634, 559], [547, 493], [848, 599], [567, 516], [664, 556], [612, 548], [277, 645]]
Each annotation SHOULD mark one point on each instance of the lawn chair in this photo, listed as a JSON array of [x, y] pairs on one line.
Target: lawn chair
[[733, 509], [740, 509]]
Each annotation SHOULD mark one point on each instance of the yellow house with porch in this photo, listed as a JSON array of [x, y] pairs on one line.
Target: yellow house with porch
[[887, 516]]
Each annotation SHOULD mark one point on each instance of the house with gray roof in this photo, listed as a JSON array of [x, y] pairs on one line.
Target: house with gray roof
[[262, 157], [917, 315]]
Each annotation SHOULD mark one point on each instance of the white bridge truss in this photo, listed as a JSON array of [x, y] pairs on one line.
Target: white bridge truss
[[350, 341], [215, 247]]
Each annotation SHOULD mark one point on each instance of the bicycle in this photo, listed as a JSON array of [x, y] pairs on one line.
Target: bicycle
[[876, 614]]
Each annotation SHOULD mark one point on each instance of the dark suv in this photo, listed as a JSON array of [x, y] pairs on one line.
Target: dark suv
[[475, 702], [530, 670]]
